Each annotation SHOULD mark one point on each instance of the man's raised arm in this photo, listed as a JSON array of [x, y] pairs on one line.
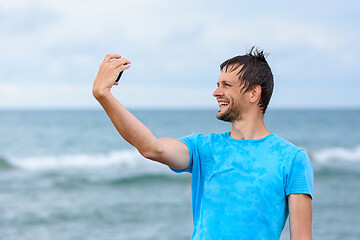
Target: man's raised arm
[[171, 152]]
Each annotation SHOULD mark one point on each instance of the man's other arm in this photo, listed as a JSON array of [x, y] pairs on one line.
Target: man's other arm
[[171, 152], [300, 216]]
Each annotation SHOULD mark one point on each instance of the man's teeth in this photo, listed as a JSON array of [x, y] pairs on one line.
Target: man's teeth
[[223, 104]]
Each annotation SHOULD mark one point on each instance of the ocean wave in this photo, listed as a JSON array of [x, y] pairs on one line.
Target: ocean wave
[[337, 154], [128, 159], [131, 159], [74, 180], [149, 178]]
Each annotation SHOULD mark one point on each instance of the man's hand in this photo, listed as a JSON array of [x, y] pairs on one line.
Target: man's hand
[[108, 72]]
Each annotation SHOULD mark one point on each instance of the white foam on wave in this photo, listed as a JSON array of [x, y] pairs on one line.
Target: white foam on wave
[[338, 154], [128, 159], [131, 159]]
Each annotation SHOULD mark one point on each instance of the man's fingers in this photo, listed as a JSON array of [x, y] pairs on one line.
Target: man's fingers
[[119, 62], [125, 66], [108, 57]]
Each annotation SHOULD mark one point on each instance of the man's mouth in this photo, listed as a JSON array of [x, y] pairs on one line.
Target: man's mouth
[[223, 104]]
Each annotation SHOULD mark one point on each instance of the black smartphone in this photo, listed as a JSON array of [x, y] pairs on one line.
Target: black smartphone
[[118, 78]]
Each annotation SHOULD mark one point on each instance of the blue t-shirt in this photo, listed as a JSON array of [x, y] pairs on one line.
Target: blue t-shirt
[[239, 187]]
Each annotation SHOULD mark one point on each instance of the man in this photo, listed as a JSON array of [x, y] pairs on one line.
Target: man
[[245, 182]]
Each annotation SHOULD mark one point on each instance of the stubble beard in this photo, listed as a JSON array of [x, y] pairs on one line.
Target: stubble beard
[[232, 114]]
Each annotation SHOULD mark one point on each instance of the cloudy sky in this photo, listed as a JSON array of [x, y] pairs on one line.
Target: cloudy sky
[[51, 50]]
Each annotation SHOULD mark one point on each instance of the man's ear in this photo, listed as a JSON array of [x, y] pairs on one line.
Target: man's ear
[[255, 94]]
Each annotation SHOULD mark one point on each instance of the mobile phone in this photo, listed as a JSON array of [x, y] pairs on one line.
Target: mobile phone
[[118, 78]]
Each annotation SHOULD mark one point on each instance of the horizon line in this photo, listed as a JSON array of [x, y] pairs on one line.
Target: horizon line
[[44, 109]]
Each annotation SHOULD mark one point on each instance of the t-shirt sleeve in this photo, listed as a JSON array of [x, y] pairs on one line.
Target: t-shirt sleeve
[[190, 142], [300, 179]]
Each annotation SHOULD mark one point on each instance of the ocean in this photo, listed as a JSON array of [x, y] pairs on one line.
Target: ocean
[[67, 174]]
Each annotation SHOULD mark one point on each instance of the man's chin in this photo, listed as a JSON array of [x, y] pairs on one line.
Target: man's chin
[[228, 115], [223, 116], [219, 114]]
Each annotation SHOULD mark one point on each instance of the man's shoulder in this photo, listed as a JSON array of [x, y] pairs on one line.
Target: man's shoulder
[[201, 138], [285, 146], [207, 136]]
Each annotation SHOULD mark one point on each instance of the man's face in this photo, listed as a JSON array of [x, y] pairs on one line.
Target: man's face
[[232, 104]]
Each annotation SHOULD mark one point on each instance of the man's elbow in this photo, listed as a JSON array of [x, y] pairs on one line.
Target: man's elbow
[[154, 153], [149, 155]]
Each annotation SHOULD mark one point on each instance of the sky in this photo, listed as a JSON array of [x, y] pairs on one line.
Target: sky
[[51, 51]]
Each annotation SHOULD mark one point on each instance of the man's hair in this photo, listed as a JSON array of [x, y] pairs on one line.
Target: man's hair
[[254, 71]]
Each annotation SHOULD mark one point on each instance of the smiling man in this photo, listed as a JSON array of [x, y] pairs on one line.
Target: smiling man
[[245, 182]]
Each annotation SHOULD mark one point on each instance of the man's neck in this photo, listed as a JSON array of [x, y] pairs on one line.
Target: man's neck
[[249, 129]]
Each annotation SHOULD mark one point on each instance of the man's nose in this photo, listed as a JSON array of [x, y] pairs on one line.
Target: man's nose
[[217, 92]]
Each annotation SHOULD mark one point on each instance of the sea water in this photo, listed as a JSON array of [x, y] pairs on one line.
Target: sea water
[[69, 175]]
